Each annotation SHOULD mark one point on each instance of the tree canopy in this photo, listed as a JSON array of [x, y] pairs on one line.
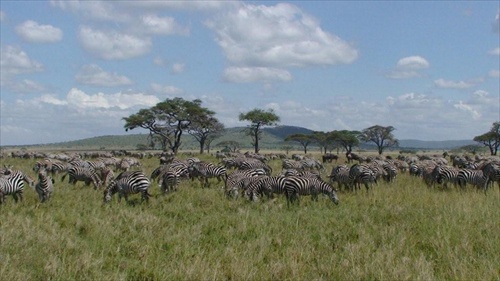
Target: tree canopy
[[169, 119], [491, 139], [381, 136], [258, 119], [303, 139]]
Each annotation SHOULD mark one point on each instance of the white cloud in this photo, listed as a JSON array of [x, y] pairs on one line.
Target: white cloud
[[178, 68], [448, 84], [24, 86], [408, 67], [152, 24], [496, 23], [168, 90], [15, 61], [495, 52], [277, 36], [94, 75], [33, 32], [96, 10], [79, 99], [159, 61], [113, 45], [253, 74], [467, 108], [494, 73]]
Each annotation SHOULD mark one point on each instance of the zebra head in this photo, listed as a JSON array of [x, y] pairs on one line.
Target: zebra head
[[333, 197], [110, 191]]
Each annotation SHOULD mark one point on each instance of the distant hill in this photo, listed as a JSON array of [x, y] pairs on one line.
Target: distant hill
[[272, 138]]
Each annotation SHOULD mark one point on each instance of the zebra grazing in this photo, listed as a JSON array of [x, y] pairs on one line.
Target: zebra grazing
[[45, 185], [295, 186], [340, 174], [240, 180], [13, 184], [445, 174], [474, 177], [361, 174], [205, 170], [391, 172], [265, 185], [171, 178], [86, 174], [492, 172], [128, 183]]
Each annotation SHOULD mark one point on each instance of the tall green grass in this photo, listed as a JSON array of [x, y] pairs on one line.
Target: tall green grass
[[401, 231]]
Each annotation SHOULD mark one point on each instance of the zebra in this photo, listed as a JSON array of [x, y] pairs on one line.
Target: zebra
[[391, 172], [250, 164], [265, 185], [492, 172], [13, 184], [128, 183], [295, 186], [287, 164], [175, 164], [84, 173], [45, 185], [340, 174], [474, 177], [205, 170], [361, 173], [444, 174], [240, 180], [171, 177]]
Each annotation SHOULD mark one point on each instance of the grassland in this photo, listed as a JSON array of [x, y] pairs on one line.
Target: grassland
[[402, 231]]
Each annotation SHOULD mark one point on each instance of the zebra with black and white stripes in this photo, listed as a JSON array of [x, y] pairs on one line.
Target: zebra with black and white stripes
[[474, 177], [296, 186], [206, 170], [265, 185], [340, 174], [128, 183], [361, 174], [83, 173], [240, 180], [171, 178], [13, 184], [45, 185], [445, 174], [492, 172]]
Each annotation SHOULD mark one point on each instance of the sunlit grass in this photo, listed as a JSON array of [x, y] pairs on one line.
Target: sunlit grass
[[402, 231]]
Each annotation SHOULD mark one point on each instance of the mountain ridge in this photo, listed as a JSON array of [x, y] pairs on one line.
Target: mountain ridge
[[272, 138]]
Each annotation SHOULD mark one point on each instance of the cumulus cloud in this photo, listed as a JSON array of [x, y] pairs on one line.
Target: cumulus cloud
[[253, 74], [152, 24], [80, 99], [178, 68], [495, 52], [15, 61], [408, 67], [167, 90], [113, 45], [448, 84], [33, 32], [277, 36], [94, 75], [24, 86], [494, 73]]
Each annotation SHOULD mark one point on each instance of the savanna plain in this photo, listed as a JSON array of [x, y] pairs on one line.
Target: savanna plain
[[398, 231]]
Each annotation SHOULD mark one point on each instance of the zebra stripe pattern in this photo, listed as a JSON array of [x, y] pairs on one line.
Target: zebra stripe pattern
[[445, 174], [295, 186], [128, 183], [13, 184], [340, 174], [205, 170], [474, 177], [361, 174], [86, 174], [45, 186], [171, 178], [265, 186]]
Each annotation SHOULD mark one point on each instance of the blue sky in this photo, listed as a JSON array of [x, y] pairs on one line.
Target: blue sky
[[74, 69]]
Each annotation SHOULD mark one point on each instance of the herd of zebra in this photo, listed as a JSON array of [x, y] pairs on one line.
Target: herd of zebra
[[247, 175]]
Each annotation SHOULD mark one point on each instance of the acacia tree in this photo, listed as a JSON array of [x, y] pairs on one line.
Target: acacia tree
[[205, 129], [381, 136], [168, 120], [346, 139], [304, 140], [259, 119], [491, 139], [321, 138]]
